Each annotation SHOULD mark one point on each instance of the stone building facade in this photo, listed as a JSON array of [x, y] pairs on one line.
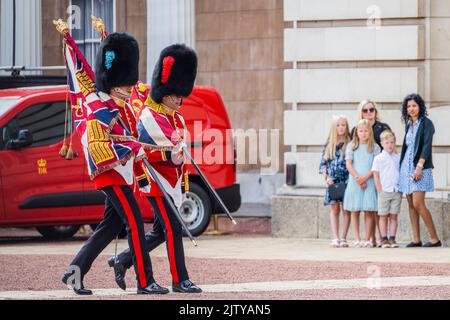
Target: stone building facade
[[287, 65], [345, 51]]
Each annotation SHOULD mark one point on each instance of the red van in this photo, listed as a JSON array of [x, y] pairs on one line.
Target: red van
[[40, 189]]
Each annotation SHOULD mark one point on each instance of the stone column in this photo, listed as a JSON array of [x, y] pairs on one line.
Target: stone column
[[28, 33], [169, 22]]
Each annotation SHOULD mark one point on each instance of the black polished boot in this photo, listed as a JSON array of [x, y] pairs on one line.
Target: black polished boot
[[185, 286], [119, 272], [152, 288], [81, 290]]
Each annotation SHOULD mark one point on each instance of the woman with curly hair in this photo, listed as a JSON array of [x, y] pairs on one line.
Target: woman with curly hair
[[416, 164]]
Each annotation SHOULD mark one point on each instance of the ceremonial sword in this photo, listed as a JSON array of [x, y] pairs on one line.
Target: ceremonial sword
[[203, 177]]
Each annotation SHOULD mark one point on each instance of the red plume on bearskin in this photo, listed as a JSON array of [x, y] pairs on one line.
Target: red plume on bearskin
[[167, 69]]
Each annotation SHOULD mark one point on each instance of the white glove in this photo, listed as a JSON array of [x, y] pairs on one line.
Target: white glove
[[177, 155], [146, 189], [141, 152], [144, 185]]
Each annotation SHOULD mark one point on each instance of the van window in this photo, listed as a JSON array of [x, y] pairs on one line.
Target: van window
[[45, 121], [6, 104]]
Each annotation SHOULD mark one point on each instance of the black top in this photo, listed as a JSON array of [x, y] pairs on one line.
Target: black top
[[378, 128], [423, 144]]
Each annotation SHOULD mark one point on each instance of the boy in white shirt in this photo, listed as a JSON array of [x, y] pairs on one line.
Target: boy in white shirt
[[386, 169]]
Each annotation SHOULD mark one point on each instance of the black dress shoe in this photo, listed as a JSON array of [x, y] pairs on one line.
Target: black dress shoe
[[431, 245], [185, 286], [414, 244], [119, 272], [81, 290], [152, 288]]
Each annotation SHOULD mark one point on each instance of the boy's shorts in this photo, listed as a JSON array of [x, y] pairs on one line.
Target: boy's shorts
[[389, 202]]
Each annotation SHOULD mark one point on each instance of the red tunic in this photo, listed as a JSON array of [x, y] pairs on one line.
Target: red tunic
[[161, 161], [112, 177]]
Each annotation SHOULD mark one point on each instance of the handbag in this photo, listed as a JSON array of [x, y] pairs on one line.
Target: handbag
[[337, 190]]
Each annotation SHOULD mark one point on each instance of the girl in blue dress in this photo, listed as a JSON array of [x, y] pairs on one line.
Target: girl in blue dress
[[361, 193], [334, 170]]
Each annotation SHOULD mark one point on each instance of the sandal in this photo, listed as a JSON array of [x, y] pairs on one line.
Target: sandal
[[343, 243]]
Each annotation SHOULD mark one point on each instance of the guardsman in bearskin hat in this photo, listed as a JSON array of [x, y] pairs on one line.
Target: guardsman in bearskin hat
[[112, 153], [162, 131]]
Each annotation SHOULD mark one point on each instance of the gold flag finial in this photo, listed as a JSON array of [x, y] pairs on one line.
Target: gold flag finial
[[98, 24], [61, 26]]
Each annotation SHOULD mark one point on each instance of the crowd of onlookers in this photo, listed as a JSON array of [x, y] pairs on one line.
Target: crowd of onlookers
[[364, 172]]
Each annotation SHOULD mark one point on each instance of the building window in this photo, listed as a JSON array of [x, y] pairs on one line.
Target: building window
[[88, 39]]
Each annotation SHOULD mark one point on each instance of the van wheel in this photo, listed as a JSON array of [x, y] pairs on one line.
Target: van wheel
[[196, 209], [58, 232], [122, 234]]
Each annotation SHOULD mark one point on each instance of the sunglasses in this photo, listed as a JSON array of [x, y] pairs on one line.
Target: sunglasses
[[368, 110]]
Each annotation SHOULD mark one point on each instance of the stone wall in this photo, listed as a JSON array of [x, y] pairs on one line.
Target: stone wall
[[306, 217], [240, 49], [345, 51]]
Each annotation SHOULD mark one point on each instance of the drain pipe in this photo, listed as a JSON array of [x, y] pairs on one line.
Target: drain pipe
[[14, 34]]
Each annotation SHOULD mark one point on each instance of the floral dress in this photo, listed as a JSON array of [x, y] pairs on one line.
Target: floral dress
[[406, 183], [335, 169]]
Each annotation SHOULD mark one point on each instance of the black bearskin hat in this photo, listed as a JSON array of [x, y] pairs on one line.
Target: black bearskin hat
[[117, 62], [174, 73]]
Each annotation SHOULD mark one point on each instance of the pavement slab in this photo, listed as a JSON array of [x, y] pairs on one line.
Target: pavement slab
[[237, 268]]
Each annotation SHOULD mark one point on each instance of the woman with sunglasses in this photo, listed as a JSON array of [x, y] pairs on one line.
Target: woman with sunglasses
[[368, 110]]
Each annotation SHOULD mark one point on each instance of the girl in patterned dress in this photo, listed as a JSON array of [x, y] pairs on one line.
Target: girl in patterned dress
[[416, 165], [361, 194], [334, 170]]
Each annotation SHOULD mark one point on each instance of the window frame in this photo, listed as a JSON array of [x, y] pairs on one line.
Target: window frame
[[93, 41]]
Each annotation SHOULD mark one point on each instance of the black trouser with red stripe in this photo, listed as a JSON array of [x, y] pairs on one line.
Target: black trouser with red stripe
[[165, 227], [120, 207]]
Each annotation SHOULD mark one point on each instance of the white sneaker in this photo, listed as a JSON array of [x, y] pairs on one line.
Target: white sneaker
[[335, 243], [366, 244], [357, 244]]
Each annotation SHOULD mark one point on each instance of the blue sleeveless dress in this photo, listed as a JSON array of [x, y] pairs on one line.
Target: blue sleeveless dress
[[357, 198]]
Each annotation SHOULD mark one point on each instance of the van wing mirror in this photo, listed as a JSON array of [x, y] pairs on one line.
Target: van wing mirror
[[24, 139]]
